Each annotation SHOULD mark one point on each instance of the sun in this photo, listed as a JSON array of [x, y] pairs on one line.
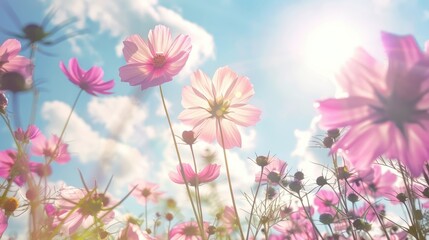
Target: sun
[[329, 45]]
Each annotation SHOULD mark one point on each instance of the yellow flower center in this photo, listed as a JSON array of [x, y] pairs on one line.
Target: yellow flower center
[[219, 108], [158, 60]]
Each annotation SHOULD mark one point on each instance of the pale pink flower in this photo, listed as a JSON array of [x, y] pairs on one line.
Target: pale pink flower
[[133, 232], [229, 219], [326, 202], [145, 191], [387, 106], [223, 102], [10, 61], [80, 209], [186, 231], [156, 61], [273, 172], [90, 81], [208, 174], [25, 136], [382, 184], [49, 149]]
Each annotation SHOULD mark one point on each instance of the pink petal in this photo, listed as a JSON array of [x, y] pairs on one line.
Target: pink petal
[[231, 135], [180, 45], [337, 113], [223, 80], [209, 173], [194, 116], [190, 99], [206, 130], [136, 50], [403, 49], [246, 115], [159, 39], [9, 49], [202, 85]]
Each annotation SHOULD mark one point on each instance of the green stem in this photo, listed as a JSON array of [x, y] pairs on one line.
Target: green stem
[[197, 190], [229, 179], [253, 204], [66, 124], [201, 227]]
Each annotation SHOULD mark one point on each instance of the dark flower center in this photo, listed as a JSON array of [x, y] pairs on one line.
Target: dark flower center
[[158, 61], [146, 192], [190, 231]]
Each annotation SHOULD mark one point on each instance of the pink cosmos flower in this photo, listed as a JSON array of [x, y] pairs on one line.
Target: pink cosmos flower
[[326, 201], [156, 61], [48, 148], [208, 174], [10, 61], [387, 106], [186, 231], [90, 81], [31, 133], [273, 172], [382, 183], [79, 208], [223, 102], [133, 232], [12, 168], [145, 191], [229, 219]]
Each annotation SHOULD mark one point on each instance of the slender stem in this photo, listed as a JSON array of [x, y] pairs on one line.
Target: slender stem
[[35, 91], [201, 227], [145, 213], [15, 106], [66, 124], [309, 217], [197, 190], [253, 204], [229, 179]]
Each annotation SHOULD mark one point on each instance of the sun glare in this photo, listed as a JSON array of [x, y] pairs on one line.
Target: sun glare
[[329, 45]]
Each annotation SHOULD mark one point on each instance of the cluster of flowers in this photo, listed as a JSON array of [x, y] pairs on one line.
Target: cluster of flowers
[[380, 155]]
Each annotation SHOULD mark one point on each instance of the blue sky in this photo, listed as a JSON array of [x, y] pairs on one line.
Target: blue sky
[[289, 50]]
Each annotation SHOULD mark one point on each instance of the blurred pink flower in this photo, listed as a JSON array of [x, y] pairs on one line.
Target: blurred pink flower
[[10, 61], [326, 202], [386, 108], [48, 148], [13, 168], [186, 231], [273, 172], [224, 101], [156, 61], [79, 208], [229, 219], [145, 191], [208, 174], [31, 133], [382, 183], [133, 232], [90, 81]]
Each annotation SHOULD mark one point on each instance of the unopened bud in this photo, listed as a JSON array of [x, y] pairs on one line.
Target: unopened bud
[[188, 137], [328, 142], [14, 82], [326, 218], [299, 176], [333, 133], [262, 161], [321, 181]]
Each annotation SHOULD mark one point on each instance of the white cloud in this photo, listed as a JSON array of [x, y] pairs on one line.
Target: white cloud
[[140, 16], [123, 117], [112, 157]]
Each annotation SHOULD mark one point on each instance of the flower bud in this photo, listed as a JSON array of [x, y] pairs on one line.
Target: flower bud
[[328, 142], [271, 193], [299, 176], [169, 216], [426, 192], [353, 197], [295, 186], [321, 181], [188, 137], [262, 161], [10, 205], [343, 173], [211, 230], [274, 177], [401, 197], [326, 218], [333, 133]]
